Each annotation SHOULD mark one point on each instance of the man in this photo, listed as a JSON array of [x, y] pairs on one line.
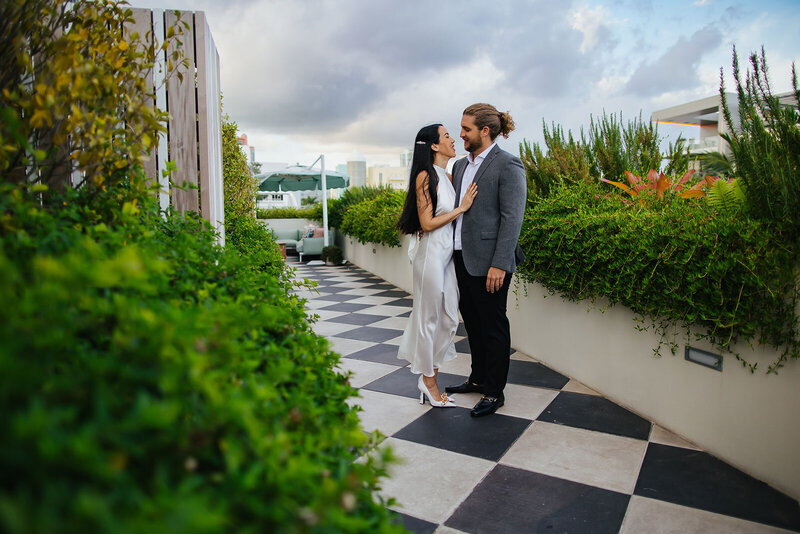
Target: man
[[486, 249]]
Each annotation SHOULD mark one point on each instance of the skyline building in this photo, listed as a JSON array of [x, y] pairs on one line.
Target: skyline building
[[357, 169]]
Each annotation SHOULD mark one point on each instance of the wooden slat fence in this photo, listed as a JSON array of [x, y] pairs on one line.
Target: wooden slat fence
[[194, 141]]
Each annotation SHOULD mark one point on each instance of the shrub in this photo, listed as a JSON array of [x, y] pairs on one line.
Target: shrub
[[152, 381], [239, 185], [658, 186], [351, 196], [609, 149], [373, 220], [675, 263], [765, 143], [332, 254]]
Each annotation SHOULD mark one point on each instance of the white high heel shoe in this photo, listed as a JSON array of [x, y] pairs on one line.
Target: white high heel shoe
[[423, 392]]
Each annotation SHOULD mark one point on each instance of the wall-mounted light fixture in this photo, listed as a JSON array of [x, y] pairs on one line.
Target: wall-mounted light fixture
[[707, 359]]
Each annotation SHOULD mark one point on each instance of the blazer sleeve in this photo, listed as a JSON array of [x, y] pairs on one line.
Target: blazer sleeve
[[512, 197]]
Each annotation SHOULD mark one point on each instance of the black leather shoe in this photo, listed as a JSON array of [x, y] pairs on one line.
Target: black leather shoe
[[486, 406], [466, 387]]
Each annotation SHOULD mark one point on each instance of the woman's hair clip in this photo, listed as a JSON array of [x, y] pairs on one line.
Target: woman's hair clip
[[421, 142]]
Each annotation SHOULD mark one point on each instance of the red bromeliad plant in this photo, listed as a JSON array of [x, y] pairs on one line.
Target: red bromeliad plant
[[658, 184]]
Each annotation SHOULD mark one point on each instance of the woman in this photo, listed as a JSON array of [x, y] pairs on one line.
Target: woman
[[428, 338]]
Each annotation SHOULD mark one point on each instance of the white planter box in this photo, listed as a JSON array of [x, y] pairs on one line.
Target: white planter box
[[749, 420]]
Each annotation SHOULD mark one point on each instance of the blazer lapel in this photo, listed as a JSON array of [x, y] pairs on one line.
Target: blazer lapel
[[458, 175], [486, 162]]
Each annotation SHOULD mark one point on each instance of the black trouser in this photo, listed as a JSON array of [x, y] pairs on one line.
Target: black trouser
[[487, 327]]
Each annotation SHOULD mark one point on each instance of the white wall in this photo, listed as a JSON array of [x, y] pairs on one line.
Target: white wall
[[391, 264], [749, 420]]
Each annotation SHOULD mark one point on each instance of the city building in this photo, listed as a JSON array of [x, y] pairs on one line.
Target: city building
[[707, 115], [357, 169], [250, 151], [384, 175]]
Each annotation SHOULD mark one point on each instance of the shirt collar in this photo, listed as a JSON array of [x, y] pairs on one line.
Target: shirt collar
[[480, 157]]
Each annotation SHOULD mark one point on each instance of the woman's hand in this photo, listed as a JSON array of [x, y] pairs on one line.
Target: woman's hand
[[469, 196]]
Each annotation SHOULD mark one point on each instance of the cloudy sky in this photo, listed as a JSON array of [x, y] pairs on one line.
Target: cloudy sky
[[302, 77]]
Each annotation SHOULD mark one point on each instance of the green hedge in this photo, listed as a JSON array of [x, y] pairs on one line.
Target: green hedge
[[354, 195], [373, 220], [313, 213], [153, 382], [677, 262]]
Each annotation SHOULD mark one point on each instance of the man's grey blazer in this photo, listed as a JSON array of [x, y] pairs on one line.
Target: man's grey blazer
[[490, 229]]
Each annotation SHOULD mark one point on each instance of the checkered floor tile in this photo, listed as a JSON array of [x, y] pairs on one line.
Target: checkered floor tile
[[557, 457]]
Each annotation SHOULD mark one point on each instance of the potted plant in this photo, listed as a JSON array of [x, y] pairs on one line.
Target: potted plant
[[332, 255]]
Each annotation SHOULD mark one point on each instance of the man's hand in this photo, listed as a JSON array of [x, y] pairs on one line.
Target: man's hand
[[494, 279]]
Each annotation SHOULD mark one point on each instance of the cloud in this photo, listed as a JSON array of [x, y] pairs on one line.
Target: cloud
[[324, 68], [677, 67]]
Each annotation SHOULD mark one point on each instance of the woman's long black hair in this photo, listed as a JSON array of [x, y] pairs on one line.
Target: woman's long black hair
[[422, 161]]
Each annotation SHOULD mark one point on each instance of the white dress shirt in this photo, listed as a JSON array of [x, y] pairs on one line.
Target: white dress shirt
[[473, 164]]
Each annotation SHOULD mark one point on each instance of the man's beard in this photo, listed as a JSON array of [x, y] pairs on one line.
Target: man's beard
[[471, 146]]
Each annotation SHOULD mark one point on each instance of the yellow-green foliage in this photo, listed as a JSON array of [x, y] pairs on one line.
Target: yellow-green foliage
[[73, 93]]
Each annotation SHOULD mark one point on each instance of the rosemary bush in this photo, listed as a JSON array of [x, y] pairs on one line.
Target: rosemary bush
[[609, 149], [766, 146]]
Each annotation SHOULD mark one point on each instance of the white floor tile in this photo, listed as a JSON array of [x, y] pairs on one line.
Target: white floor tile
[[329, 328], [348, 346], [385, 412], [397, 323], [431, 482], [665, 437], [364, 372], [659, 517], [386, 311], [526, 402], [360, 292], [374, 300], [326, 315], [574, 386], [594, 458]]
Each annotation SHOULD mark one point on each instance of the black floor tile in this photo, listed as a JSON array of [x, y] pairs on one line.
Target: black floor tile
[[399, 293], [347, 307], [514, 500], [336, 297], [462, 346], [403, 382], [697, 479], [358, 318], [324, 282], [367, 279], [535, 374], [332, 289], [371, 333], [461, 330], [407, 302], [381, 285], [406, 314], [380, 353], [595, 413], [417, 526], [455, 430]]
